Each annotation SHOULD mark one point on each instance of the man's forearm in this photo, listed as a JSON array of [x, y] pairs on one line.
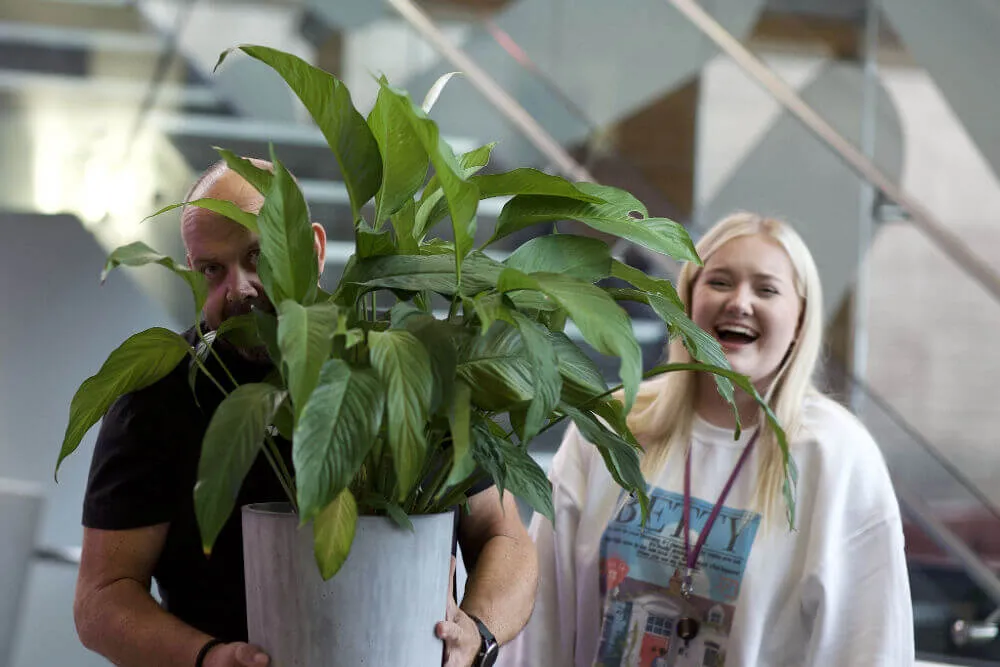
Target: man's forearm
[[501, 587], [124, 623]]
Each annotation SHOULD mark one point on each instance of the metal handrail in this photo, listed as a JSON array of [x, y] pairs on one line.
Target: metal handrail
[[920, 216]]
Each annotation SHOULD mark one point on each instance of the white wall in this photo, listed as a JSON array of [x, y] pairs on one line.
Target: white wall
[[58, 326]]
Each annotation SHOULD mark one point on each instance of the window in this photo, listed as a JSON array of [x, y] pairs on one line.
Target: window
[[658, 625]]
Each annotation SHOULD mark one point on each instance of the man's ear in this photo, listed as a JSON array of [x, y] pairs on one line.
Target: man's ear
[[320, 244]]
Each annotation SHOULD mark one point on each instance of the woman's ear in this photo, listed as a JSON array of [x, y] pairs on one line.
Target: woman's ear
[[320, 244]]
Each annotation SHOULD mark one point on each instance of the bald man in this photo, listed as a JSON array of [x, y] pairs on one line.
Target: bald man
[[139, 521]]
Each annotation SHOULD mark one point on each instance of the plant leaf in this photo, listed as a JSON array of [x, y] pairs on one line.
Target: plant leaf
[[371, 243], [527, 181], [404, 366], [545, 370], [231, 445], [267, 329], [404, 223], [497, 369], [620, 456], [404, 160], [287, 242], [582, 379], [640, 280], [139, 254], [335, 431], [305, 337], [658, 234], [743, 382], [259, 178], [426, 272], [391, 509], [329, 103], [333, 533], [577, 256], [459, 418], [440, 339], [427, 216], [490, 307], [462, 196], [143, 359], [223, 207], [513, 469], [240, 330], [601, 321]]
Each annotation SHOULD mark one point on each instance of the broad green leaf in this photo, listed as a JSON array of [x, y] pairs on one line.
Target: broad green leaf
[[241, 331], [426, 272], [267, 329], [284, 420], [374, 501], [646, 283], [335, 431], [601, 321], [333, 533], [615, 217], [351, 336], [329, 103], [139, 254], [620, 456], [701, 345], [259, 178], [231, 445], [582, 379], [287, 242], [743, 382], [490, 307], [371, 243], [435, 91], [404, 160], [472, 163], [440, 339], [402, 311], [305, 337], [223, 207], [143, 359], [404, 366], [462, 196], [663, 298], [545, 370], [512, 469], [403, 222], [497, 368], [527, 181], [459, 418], [577, 256], [431, 210]]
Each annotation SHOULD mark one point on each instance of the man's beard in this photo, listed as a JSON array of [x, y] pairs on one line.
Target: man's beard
[[254, 353]]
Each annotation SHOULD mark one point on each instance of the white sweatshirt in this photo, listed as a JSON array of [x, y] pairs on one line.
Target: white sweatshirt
[[833, 593]]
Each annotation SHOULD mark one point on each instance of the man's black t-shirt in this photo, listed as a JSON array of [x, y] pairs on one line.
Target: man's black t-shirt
[[143, 473]]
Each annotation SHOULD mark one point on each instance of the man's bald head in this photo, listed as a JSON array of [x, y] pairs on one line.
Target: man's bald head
[[221, 182]]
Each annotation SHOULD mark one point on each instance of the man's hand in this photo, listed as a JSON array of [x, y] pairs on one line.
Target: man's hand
[[236, 654], [458, 631]]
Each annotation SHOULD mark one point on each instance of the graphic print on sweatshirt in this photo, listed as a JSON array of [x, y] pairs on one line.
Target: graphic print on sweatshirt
[[641, 570]]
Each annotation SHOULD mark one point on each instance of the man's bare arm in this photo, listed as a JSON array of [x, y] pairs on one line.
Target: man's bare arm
[[117, 616], [502, 564]]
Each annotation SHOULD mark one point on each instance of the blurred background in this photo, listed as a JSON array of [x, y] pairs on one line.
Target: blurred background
[[868, 124]]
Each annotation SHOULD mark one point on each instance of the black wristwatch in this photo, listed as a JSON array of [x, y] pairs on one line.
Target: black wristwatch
[[489, 649]]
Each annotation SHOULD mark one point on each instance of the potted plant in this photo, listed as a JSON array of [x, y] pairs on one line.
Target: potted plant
[[430, 365]]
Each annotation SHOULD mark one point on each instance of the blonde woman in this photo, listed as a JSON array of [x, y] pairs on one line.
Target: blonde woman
[[738, 588]]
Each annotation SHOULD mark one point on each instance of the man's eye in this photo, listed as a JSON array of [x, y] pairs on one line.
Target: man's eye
[[254, 256], [210, 270]]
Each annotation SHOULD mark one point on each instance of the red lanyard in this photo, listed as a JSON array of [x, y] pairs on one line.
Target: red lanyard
[[692, 556]]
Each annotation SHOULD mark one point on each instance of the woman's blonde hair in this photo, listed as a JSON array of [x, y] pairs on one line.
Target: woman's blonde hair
[[663, 417]]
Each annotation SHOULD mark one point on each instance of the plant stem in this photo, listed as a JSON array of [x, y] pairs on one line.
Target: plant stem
[[435, 487], [457, 492], [211, 349], [276, 466], [201, 365], [455, 300], [286, 477]]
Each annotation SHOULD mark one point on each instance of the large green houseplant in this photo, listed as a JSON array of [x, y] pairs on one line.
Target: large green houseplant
[[395, 407]]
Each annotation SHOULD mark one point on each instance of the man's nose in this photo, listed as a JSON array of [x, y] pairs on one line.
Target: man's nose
[[241, 287]]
